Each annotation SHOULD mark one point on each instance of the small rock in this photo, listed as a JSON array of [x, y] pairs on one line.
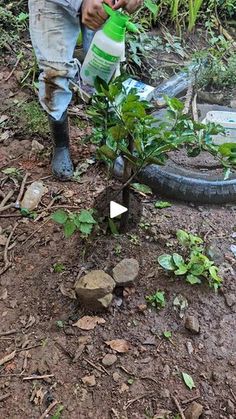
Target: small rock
[[215, 253], [166, 371], [165, 393], [94, 290], [126, 272], [36, 147], [230, 407], [89, 380], [123, 388], [190, 348], [109, 360], [116, 377], [192, 324], [142, 307], [194, 411], [230, 299]]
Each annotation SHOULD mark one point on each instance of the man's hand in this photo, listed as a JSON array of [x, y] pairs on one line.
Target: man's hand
[[93, 14], [129, 5]]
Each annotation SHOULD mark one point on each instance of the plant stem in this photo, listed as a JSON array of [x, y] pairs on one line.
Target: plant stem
[[126, 190]]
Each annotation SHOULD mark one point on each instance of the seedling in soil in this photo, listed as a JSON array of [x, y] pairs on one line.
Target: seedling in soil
[[134, 239], [72, 222], [58, 268], [167, 334], [126, 129], [194, 265], [162, 204], [60, 324], [118, 249], [28, 213], [157, 300], [58, 413]]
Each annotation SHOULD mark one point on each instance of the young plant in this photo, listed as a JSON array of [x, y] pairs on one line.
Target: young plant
[[72, 222], [127, 129], [194, 266], [157, 300]]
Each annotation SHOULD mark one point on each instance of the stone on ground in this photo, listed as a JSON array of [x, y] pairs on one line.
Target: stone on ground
[[126, 272], [94, 290], [192, 324], [194, 411], [109, 359]]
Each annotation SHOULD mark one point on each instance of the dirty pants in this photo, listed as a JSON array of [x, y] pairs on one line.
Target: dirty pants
[[54, 32]]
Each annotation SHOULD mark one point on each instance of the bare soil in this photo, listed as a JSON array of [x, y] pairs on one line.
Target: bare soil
[[35, 301]]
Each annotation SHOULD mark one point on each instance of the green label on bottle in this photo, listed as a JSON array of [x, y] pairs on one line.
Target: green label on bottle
[[104, 55]]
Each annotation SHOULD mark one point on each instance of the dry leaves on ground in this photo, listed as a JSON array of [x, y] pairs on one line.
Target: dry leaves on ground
[[119, 345], [89, 322]]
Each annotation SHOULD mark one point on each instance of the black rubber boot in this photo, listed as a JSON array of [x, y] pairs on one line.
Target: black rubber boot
[[62, 166]]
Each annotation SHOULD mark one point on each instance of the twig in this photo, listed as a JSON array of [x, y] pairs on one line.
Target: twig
[[191, 400], [99, 368], [29, 347], [5, 255], [36, 231], [50, 407], [182, 415], [38, 377], [22, 187], [15, 66], [149, 378], [234, 396], [9, 332], [7, 207], [194, 108], [128, 404], [6, 198], [188, 99], [4, 397]]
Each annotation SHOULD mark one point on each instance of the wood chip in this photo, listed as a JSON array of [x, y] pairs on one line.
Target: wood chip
[[7, 358]]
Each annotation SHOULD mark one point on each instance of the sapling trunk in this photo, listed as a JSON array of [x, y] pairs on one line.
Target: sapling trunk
[[126, 191]]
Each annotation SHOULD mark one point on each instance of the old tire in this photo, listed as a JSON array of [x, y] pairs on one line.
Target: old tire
[[181, 184]]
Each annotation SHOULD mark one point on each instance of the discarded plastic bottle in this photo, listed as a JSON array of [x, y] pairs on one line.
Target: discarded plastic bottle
[[175, 85], [33, 195]]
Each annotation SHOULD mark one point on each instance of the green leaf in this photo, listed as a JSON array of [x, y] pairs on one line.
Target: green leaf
[[182, 270], [10, 171], [192, 279], [152, 7], [69, 228], [57, 414], [213, 270], [228, 149], [130, 381], [178, 259], [107, 152], [188, 380], [162, 204], [142, 188], [60, 324], [113, 227], [118, 132], [58, 268], [167, 334], [86, 217], [22, 17], [85, 228], [183, 237], [166, 261], [60, 216]]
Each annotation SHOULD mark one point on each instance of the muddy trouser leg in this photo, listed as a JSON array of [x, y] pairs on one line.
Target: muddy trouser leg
[[54, 33]]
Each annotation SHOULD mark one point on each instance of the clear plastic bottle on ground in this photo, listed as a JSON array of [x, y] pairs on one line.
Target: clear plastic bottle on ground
[[33, 195]]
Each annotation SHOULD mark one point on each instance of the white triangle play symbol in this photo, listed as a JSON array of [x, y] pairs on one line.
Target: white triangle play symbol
[[116, 209]]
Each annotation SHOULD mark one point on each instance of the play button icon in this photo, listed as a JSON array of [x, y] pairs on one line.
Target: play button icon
[[116, 209]]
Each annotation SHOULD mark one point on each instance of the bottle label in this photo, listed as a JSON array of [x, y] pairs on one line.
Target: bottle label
[[101, 64]]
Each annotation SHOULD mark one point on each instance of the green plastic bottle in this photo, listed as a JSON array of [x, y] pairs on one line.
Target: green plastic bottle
[[107, 47]]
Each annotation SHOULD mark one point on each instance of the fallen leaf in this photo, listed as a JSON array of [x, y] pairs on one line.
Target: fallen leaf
[[89, 380], [89, 322], [70, 293], [10, 367], [7, 358], [118, 345], [188, 380], [162, 414], [4, 295]]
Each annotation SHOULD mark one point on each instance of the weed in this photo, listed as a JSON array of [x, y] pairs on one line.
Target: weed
[[72, 222], [194, 266], [157, 300], [60, 324], [134, 239], [33, 118], [10, 28], [167, 334], [162, 204], [118, 249], [58, 268]]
